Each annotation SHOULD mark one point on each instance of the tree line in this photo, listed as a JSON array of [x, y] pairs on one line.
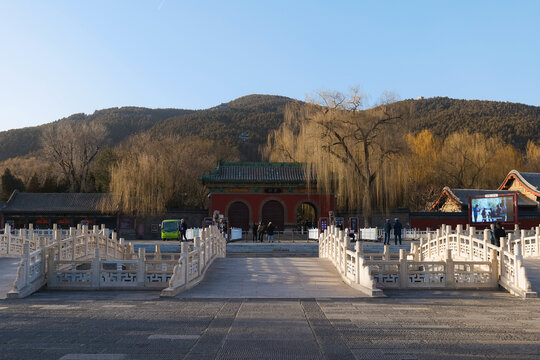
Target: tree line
[[372, 155]]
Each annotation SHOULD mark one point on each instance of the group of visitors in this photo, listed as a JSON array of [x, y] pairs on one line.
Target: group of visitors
[[388, 229], [260, 229]]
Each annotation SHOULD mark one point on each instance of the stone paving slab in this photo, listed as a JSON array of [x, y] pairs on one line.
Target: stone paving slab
[[140, 325]]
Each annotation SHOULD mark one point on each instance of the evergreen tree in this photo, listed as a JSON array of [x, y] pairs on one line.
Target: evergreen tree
[[34, 185], [10, 183]]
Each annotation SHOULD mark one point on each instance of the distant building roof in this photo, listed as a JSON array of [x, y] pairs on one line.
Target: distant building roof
[[460, 197], [21, 202], [531, 181], [257, 172]]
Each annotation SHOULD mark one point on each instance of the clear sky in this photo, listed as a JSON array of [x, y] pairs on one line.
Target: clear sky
[[64, 57]]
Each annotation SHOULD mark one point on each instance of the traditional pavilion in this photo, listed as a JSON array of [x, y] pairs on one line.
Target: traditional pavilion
[[451, 208], [249, 192], [64, 209]]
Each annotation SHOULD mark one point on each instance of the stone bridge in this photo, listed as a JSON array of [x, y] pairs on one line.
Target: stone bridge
[[94, 259]]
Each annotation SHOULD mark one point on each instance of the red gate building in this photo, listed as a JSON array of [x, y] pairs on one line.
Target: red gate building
[[247, 193]]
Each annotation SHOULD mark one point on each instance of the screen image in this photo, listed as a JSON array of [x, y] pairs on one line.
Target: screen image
[[492, 209]]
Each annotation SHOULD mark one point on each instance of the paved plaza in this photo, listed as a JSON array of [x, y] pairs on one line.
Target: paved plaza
[[257, 314], [140, 325]]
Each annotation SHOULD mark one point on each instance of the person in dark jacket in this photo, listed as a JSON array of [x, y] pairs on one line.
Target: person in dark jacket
[[254, 231], [260, 231], [498, 233], [270, 231], [387, 230], [183, 229], [397, 231]]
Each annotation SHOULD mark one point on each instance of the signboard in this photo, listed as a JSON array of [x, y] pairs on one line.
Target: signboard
[[323, 224], [490, 208]]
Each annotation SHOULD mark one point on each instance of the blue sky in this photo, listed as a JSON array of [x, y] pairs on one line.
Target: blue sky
[[64, 57]]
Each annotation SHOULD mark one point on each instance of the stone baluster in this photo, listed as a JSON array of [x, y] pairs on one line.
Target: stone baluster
[[403, 270], [7, 234], [96, 269], [358, 250], [347, 245], [450, 274], [184, 256], [141, 267], [486, 241], [536, 238], [420, 251], [459, 229], [386, 253], [438, 241], [494, 266], [26, 260]]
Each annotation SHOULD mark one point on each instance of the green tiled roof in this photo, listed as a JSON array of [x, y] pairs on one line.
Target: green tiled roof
[[21, 202], [257, 172]]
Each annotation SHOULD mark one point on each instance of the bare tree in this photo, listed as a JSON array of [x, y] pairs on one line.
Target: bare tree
[[346, 146], [73, 146], [167, 173]]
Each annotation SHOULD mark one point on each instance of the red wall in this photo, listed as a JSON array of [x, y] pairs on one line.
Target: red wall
[[323, 203]]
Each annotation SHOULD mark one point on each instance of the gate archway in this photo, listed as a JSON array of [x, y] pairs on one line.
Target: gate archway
[[238, 215], [306, 215], [273, 211]]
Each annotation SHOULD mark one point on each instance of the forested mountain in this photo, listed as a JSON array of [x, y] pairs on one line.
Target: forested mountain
[[515, 123], [246, 122], [120, 123]]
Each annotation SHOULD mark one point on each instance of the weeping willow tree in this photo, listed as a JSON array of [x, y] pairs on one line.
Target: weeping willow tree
[[352, 151], [155, 174]]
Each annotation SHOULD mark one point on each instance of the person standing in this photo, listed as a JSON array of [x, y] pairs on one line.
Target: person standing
[[397, 231], [270, 232], [498, 233], [260, 231], [183, 229], [254, 231], [387, 230]]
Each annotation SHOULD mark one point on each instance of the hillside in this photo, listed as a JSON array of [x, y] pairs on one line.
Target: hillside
[[120, 123], [515, 123], [246, 122]]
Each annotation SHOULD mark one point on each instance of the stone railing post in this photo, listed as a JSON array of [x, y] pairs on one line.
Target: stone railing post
[[438, 236], [502, 249], [494, 268], [141, 267], [486, 241], [50, 266], [358, 250], [43, 255], [386, 253], [459, 229], [403, 270], [346, 246], [184, 254], [536, 238], [428, 239], [420, 252], [472, 237], [7, 234], [450, 271], [96, 269], [26, 259], [197, 247]]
